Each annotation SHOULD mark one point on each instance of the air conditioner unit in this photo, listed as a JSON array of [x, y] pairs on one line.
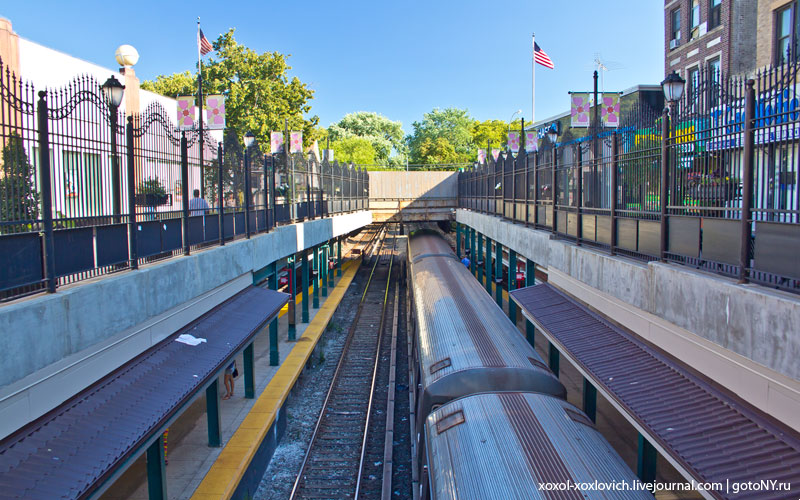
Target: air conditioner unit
[[702, 29], [673, 44]]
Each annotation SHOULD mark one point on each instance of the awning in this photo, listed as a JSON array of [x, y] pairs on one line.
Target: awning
[[75, 448], [709, 433]]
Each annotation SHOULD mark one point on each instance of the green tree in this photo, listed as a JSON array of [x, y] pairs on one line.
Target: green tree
[[489, 130], [19, 200], [260, 94], [386, 136], [452, 125], [358, 150]]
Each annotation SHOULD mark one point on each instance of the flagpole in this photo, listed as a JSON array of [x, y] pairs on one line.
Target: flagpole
[[201, 143], [533, 78]]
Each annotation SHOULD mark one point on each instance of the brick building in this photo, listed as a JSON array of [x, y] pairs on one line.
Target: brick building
[[777, 25], [710, 35]]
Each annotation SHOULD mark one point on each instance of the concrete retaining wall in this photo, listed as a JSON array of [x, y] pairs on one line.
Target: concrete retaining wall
[[52, 346], [742, 336], [413, 185]]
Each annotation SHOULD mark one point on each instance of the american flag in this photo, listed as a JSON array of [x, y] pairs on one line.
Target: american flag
[[203, 44], [541, 57]]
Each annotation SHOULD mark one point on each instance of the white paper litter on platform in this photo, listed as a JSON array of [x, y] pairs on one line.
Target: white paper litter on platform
[[189, 339]]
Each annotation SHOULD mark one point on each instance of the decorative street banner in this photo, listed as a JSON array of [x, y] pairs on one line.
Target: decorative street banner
[[276, 142], [609, 112], [481, 155], [531, 141], [495, 154], [185, 113], [215, 112], [581, 103], [513, 141], [296, 142], [328, 153]]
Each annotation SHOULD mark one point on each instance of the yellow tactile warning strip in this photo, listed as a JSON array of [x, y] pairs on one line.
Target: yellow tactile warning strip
[[224, 476]]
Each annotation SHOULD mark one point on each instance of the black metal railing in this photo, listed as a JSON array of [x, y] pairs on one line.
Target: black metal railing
[[712, 182], [86, 190]]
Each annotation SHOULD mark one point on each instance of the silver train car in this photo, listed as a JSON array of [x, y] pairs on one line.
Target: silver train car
[[491, 420], [462, 342], [513, 445]]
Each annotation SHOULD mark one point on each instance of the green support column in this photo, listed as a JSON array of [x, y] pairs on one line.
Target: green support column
[[590, 400], [330, 272], [323, 270], [498, 273], [212, 414], [553, 358], [156, 470], [315, 274], [473, 264], [274, 357], [339, 258], [291, 333], [304, 290], [646, 461], [512, 284], [530, 280], [479, 257], [249, 372], [487, 265], [458, 240], [466, 242]]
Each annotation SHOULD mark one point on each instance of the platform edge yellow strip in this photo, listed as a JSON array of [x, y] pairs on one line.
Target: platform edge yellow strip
[[223, 478]]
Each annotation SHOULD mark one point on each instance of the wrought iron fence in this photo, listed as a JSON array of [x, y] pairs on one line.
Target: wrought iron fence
[[711, 182], [86, 190]]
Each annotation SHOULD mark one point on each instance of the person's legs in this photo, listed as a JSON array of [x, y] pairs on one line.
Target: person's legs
[[228, 386]]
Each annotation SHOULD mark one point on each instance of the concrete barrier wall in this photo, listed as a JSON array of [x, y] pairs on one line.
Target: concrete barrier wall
[[742, 336], [413, 185], [52, 346]]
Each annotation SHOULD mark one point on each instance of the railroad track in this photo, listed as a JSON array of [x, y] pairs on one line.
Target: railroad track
[[333, 465]]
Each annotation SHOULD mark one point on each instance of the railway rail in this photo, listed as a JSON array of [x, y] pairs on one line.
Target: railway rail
[[334, 463]]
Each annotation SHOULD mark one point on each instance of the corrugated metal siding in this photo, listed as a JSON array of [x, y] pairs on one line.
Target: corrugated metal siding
[[66, 453], [715, 437], [509, 443]]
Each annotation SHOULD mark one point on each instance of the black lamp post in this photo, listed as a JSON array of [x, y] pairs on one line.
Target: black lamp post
[[672, 86], [113, 91], [249, 139]]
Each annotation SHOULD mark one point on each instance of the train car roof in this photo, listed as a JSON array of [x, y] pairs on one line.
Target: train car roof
[[505, 445], [424, 243], [462, 331]]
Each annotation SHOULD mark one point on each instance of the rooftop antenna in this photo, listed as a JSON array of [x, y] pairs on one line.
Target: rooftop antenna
[[602, 66]]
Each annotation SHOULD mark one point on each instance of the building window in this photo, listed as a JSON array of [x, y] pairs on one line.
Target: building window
[[714, 76], [676, 28], [714, 13], [785, 31], [692, 83], [694, 19]]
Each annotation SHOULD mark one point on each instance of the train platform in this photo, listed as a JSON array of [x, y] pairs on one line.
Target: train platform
[[251, 427]]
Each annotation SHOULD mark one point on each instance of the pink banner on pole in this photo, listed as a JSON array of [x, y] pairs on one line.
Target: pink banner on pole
[[495, 154], [215, 112], [609, 110], [580, 104], [296, 142], [481, 155], [513, 141], [531, 142], [185, 113], [276, 142]]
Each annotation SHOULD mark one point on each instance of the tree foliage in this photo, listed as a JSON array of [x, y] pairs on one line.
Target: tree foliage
[[357, 150], [493, 131], [451, 125], [19, 200], [259, 93], [385, 135]]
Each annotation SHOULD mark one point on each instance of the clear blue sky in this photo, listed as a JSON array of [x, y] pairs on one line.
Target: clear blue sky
[[400, 59]]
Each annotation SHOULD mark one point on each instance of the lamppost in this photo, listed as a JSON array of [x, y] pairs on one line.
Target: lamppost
[[113, 91], [672, 86], [249, 139]]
